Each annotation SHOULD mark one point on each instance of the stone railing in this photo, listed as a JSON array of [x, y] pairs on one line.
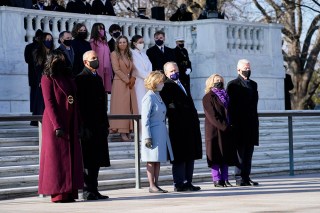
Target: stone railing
[[214, 46]]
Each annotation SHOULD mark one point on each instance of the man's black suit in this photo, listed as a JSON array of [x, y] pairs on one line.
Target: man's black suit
[[183, 63], [111, 44], [184, 132], [245, 123], [94, 126], [32, 76], [158, 58], [98, 8]]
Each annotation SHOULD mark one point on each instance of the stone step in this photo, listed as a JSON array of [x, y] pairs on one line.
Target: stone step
[[19, 141], [109, 176], [19, 160], [18, 150], [11, 171]]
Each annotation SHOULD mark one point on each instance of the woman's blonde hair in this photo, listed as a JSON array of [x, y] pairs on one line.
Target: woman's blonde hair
[[210, 82], [153, 79]]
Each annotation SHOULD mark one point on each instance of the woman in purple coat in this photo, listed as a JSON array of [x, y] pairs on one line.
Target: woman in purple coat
[[61, 166], [220, 148]]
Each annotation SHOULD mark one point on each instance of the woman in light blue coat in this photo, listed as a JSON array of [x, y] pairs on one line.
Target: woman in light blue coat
[[155, 138]]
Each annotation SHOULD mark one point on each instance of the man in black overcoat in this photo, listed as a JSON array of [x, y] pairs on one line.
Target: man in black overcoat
[[94, 125], [100, 7], [32, 77], [183, 61], [159, 54], [243, 94], [79, 6], [184, 129], [181, 14]]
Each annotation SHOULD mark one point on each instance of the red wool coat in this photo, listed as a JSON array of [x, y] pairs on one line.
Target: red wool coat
[[61, 168]]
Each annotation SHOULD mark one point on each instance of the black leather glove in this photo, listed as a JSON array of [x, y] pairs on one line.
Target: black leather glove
[[59, 133], [148, 143]]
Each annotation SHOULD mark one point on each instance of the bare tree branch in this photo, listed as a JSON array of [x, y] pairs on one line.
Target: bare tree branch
[[307, 42], [263, 11]]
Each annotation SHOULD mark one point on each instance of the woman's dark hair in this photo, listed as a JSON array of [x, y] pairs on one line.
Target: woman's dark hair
[[40, 53], [76, 28], [134, 39], [127, 52], [95, 35], [55, 64]]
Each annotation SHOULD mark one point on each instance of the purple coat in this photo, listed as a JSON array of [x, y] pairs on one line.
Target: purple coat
[[61, 159]]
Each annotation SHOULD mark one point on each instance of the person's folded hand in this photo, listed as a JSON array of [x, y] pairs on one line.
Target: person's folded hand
[[148, 142], [188, 71], [59, 133]]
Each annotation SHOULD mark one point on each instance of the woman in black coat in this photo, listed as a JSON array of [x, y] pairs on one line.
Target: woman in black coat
[[220, 150], [79, 45]]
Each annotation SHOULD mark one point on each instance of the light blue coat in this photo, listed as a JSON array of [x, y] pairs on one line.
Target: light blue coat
[[153, 125]]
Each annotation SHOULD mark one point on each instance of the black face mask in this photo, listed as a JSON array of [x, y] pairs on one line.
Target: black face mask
[[158, 42], [82, 35], [48, 44], [218, 85], [94, 64], [67, 42], [246, 73], [181, 45], [116, 34]]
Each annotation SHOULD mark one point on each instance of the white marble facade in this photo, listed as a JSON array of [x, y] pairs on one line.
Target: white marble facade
[[214, 46]]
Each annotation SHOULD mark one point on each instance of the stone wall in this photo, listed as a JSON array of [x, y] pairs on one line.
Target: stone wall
[[214, 46]]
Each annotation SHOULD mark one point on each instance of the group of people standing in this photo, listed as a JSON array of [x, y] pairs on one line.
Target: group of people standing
[[231, 127], [70, 86]]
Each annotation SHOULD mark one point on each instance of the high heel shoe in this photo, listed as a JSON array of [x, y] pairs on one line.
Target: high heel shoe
[[219, 183]]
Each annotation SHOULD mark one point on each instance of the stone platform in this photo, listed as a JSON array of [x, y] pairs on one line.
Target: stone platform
[[274, 194]]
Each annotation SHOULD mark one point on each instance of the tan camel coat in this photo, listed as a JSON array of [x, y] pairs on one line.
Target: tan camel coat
[[123, 99]]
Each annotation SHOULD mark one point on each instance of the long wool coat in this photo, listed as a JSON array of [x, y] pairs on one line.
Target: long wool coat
[[105, 67], [243, 111], [220, 148], [94, 120], [123, 99], [61, 169], [184, 124], [143, 68], [153, 125]]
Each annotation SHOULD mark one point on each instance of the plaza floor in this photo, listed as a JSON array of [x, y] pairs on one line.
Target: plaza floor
[[300, 193]]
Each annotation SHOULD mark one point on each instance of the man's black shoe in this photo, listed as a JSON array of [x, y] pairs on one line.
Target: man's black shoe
[[243, 183], [180, 189], [192, 188], [253, 183], [101, 197], [89, 196]]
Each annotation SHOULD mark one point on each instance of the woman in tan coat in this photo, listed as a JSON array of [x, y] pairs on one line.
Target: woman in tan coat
[[123, 97]]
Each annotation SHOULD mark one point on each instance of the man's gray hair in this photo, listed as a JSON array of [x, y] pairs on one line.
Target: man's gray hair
[[86, 55], [241, 62], [168, 63]]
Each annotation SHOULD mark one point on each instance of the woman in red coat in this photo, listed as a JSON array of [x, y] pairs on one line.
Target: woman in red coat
[[220, 149], [61, 166]]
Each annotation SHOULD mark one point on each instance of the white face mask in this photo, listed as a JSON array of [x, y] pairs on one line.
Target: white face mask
[[159, 87], [140, 46]]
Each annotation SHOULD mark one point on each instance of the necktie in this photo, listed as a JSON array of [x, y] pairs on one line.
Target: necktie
[[181, 86], [162, 49]]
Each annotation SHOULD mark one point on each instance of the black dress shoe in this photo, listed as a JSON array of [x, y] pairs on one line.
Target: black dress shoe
[[192, 188], [227, 183], [242, 183], [90, 196], [101, 197], [218, 183], [253, 183], [180, 189]]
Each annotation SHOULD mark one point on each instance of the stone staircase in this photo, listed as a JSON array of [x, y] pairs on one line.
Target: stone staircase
[[19, 156]]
